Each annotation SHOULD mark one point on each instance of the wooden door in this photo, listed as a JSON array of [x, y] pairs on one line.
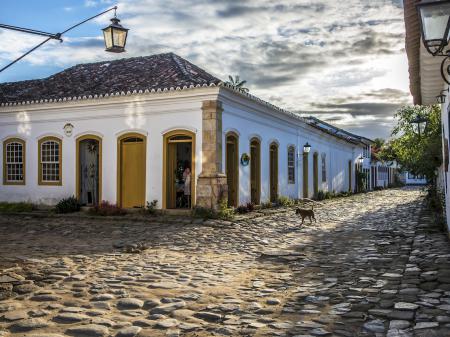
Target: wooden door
[[232, 165], [132, 182], [255, 171], [273, 172], [316, 174], [350, 175], [305, 175]]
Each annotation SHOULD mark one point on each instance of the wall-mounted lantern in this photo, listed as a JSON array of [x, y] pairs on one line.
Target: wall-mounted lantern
[[306, 148]]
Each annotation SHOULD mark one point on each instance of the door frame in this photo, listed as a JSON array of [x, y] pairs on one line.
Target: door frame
[[273, 176], [316, 173], [235, 140], [166, 136], [350, 175], [257, 141], [100, 160], [305, 174], [119, 163]]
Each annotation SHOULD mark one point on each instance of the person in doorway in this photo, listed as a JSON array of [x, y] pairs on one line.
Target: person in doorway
[[187, 184]]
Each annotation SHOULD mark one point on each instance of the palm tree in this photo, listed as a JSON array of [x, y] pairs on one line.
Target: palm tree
[[237, 83]]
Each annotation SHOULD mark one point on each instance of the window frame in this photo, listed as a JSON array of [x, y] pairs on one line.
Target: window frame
[[5, 169], [324, 167], [291, 168], [40, 163]]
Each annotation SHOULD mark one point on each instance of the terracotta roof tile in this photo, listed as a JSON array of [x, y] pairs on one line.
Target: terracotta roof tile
[[138, 73]]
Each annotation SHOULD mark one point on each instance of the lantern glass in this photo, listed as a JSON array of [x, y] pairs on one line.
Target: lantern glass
[[306, 148], [115, 37], [435, 22], [361, 160]]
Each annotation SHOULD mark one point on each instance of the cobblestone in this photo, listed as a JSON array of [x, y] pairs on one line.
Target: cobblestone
[[373, 265]]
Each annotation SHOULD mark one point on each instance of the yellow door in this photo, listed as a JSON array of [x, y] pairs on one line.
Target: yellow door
[[232, 170], [273, 172], [316, 174], [132, 182], [255, 171]]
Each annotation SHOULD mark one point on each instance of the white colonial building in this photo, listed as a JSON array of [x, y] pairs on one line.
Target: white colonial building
[[158, 127], [426, 83]]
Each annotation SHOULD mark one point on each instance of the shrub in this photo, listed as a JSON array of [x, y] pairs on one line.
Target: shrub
[[250, 206], [16, 207], [320, 195], [68, 205], [225, 212], [106, 209], [151, 207], [203, 212], [378, 188], [266, 205], [285, 201], [242, 209]]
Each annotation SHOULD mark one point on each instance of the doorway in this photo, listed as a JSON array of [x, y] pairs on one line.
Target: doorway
[[316, 174], [89, 170], [350, 176], [255, 171], [232, 168], [273, 172], [132, 149], [179, 170]]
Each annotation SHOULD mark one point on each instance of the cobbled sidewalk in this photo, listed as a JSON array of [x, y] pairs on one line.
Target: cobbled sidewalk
[[373, 265]]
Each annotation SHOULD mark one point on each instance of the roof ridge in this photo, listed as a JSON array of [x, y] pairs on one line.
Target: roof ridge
[[177, 59]]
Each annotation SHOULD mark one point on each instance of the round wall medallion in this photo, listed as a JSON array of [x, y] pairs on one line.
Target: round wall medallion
[[245, 159], [68, 128]]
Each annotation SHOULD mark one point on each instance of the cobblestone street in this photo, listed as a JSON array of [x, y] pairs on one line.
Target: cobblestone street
[[373, 265]]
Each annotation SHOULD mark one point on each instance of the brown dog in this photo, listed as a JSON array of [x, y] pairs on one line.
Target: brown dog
[[306, 213]]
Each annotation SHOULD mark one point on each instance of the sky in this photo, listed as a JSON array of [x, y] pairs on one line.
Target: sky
[[341, 61]]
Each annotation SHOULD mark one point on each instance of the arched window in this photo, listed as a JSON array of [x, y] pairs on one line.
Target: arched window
[[50, 161], [324, 167], [14, 162], [291, 164]]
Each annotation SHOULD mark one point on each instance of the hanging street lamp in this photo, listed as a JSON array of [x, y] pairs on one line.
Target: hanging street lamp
[[115, 35]]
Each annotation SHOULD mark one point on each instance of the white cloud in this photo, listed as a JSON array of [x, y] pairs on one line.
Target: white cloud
[[299, 53]]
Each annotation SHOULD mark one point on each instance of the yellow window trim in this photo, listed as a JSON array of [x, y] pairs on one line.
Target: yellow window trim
[[291, 148], [5, 143], [49, 183], [166, 138]]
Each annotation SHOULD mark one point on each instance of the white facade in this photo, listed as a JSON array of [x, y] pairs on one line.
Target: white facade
[[155, 114]]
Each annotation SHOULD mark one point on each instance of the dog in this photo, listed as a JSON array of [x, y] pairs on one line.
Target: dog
[[306, 213]]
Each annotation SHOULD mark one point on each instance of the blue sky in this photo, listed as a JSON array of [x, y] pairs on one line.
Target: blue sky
[[342, 61]]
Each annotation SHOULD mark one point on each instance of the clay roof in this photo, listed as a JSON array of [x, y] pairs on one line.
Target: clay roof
[[337, 132], [155, 72]]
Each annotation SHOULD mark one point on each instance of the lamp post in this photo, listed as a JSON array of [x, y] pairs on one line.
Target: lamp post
[[115, 35], [434, 19]]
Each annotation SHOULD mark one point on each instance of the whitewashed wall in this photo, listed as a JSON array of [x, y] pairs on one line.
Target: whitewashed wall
[[444, 176], [109, 118], [155, 114], [249, 119]]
